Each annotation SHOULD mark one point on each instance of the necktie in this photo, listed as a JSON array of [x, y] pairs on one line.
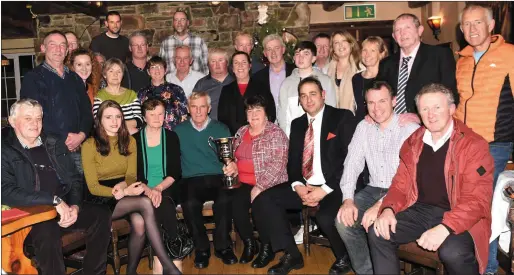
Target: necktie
[[401, 106], [308, 152]]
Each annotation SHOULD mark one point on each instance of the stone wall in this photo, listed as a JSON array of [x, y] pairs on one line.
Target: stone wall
[[216, 24]]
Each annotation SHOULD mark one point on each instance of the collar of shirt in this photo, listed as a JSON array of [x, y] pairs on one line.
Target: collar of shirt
[[174, 74], [412, 54], [317, 118], [39, 142], [136, 67], [393, 124], [204, 125], [427, 138], [178, 38], [283, 69], [53, 70]]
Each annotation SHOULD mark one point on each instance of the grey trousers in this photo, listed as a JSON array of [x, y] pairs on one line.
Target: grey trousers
[[354, 237]]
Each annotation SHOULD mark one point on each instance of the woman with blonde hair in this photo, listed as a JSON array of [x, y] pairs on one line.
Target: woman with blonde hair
[[373, 51], [83, 62], [345, 63]]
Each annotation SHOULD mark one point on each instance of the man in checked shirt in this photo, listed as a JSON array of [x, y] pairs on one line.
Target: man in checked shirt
[[183, 36], [378, 145]]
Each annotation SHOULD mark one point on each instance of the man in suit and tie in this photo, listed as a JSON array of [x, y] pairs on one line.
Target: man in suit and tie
[[317, 148], [267, 81], [414, 66]]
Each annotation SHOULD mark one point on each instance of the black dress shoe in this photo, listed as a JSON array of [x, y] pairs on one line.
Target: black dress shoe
[[202, 259], [266, 255], [340, 266], [249, 251], [286, 264], [226, 255]]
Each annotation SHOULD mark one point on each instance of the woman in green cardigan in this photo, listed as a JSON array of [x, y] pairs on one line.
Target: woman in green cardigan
[[109, 159], [158, 166]]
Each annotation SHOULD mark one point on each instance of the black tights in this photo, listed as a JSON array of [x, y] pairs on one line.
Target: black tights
[[142, 218]]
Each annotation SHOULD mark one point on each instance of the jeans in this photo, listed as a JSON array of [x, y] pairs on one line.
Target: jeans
[[457, 252], [500, 151], [354, 237]]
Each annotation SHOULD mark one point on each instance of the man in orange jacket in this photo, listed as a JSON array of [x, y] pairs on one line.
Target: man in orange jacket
[[441, 194], [484, 77]]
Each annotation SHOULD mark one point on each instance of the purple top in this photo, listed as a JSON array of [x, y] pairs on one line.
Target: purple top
[[275, 80]]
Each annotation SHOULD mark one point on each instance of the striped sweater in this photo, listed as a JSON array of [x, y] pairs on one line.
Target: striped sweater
[[128, 100]]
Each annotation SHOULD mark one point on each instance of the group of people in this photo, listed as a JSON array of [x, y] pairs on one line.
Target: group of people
[[103, 139]]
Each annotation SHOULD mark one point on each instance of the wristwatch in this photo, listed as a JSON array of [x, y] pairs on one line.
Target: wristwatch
[[56, 201]]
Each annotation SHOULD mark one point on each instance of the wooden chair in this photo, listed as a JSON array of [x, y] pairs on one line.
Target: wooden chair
[[74, 248], [120, 229], [411, 253], [313, 237]]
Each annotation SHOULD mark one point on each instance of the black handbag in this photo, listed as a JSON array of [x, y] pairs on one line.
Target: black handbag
[[183, 244]]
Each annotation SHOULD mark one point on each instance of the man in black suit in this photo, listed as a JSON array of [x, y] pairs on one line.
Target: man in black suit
[[317, 148], [267, 81], [414, 66]]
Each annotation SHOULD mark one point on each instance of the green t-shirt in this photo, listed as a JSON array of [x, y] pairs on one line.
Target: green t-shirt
[[154, 157]]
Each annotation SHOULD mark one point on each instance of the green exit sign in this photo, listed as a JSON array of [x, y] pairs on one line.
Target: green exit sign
[[364, 11]]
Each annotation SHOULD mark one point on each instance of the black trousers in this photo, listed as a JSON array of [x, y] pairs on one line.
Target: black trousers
[[240, 210], [457, 252], [269, 211], [45, 237], [197, 190]]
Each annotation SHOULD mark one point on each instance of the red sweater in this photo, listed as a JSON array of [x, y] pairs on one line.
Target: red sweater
[[245, 160]]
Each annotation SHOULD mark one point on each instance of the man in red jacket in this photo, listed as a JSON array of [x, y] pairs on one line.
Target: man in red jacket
[[441, 194]]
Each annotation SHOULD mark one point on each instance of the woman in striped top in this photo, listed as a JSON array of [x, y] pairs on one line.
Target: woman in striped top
[[113, 73]]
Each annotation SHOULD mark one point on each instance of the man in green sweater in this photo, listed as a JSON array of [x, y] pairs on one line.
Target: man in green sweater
[[202, 180]]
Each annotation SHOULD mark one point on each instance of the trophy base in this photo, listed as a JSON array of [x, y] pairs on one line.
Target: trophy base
[[231, 183], [232, 186]]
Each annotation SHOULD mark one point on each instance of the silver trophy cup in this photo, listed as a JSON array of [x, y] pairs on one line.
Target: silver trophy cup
[[225, 150]]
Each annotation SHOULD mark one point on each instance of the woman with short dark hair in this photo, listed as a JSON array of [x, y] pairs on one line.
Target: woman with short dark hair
[[172, 95], [261, 149], [231, 108]]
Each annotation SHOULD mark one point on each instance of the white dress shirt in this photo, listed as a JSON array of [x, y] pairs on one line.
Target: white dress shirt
[[189, 81], [427, 138], [317, 177], [379, 149], [411, 61]]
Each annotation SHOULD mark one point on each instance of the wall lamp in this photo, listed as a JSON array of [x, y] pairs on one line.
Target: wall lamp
[[435, 24]]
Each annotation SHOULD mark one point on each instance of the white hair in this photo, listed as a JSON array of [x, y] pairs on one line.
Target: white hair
[[197, 95], [272, 37], [488, 11], [24, 102]]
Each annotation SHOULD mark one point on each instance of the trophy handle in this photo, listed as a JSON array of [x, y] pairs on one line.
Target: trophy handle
[[211, 139]]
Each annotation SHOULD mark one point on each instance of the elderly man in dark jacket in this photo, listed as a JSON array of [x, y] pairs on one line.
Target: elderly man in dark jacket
[[38, 170]]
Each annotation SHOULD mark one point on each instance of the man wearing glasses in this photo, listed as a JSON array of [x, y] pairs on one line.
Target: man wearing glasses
[[136, 76], [182, 36], [267, 82]]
